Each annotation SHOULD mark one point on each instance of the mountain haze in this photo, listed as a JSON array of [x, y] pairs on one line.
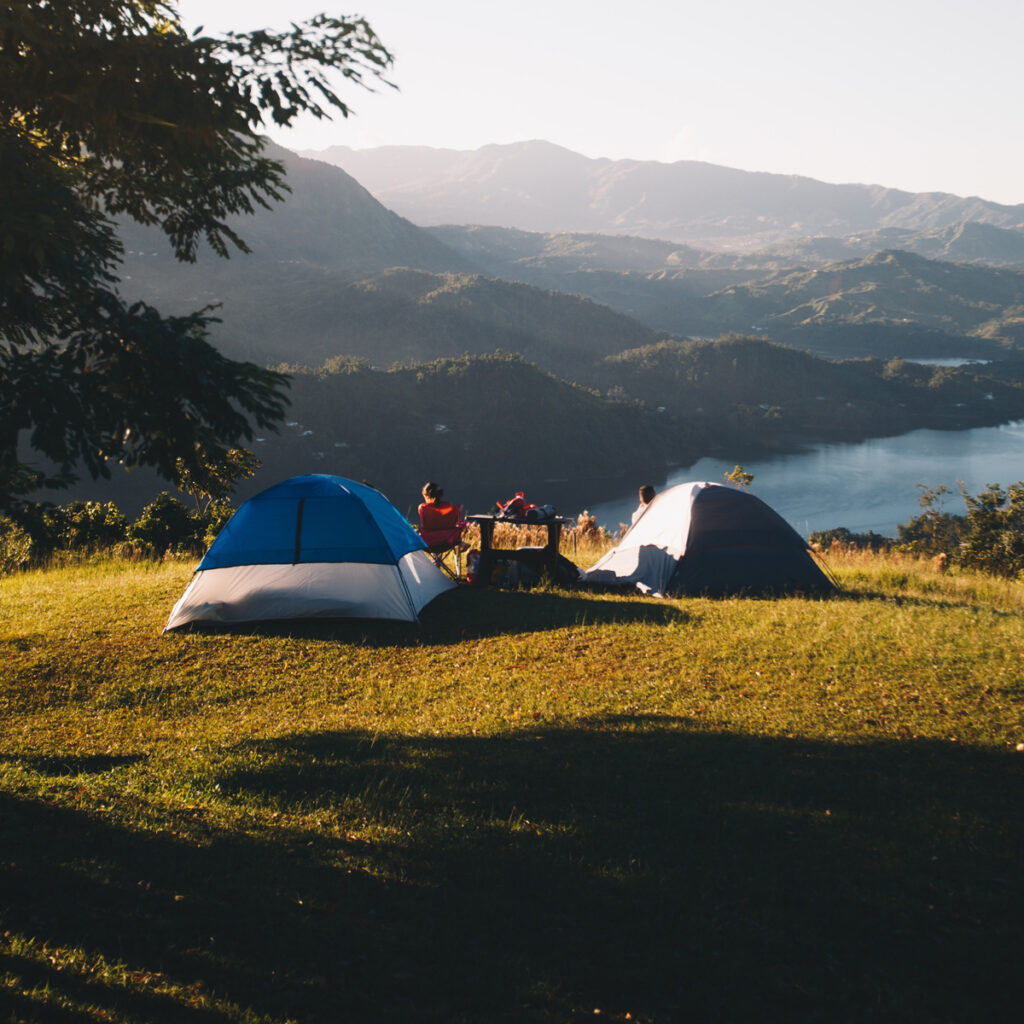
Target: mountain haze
[[537, 186], [900, 302], [401, 316], [327, 220], [545, 257], [888, 286]]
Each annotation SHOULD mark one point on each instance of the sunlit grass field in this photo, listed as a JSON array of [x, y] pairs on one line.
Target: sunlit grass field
[[547, 805]]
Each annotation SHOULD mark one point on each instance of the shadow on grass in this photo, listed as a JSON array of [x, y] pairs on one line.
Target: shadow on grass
[[467, 613], [917, 601], [626, 865]]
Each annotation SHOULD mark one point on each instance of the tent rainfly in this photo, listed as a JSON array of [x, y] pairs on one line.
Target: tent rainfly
[[705, 538], [313, 546]]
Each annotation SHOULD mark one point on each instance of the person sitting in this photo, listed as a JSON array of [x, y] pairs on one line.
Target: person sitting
[[646, 497], [441, 524]]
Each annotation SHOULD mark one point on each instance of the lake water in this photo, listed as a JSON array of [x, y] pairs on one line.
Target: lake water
[[950, 362], [865, 486]]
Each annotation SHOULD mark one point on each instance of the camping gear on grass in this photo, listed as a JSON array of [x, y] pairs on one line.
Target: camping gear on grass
[[309, 547], [519, 510], [705, 538]]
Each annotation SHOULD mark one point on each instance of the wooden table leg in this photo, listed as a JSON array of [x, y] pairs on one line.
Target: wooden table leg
[[551, 550], [486, 561]]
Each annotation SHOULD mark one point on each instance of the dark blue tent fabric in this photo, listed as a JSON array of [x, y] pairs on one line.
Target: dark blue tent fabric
[[314, 518], [724, 517], [738, 544], [749, 570]]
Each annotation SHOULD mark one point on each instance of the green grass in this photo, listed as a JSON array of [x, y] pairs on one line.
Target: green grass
[[532, 807]]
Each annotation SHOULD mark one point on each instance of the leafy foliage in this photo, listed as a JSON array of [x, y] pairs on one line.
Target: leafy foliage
[[214, 479], [934, 531], [88, 524], [994, 538], [77, 526], [990, 537], [216, 516], [739, 477], [167, 524], [15, 546], [107, 108]]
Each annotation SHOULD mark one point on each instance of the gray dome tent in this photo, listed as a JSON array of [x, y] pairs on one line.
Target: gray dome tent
[[704, 538]]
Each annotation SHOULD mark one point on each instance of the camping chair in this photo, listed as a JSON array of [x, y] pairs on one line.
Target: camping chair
[[441, 528]]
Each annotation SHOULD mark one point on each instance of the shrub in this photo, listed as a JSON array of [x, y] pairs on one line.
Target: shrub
[[934, 531], [43, 523], [166, 524], [79, 525], [990, 537], [15, 546], [90, 525], [994, 536]]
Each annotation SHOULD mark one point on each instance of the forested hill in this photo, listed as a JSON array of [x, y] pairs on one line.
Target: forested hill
[[538, 186], [296, 313], [489, 425], [743, 387], [890, 286], [889, 303], [326, 278], [544, 257]]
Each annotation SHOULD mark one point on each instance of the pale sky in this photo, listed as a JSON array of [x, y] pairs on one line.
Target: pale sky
[[923, 95]]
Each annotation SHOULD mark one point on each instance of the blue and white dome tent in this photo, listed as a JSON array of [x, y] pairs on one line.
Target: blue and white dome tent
[[313, 546]]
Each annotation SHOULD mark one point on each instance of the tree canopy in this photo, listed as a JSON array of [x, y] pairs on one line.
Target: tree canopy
[[108, 108]]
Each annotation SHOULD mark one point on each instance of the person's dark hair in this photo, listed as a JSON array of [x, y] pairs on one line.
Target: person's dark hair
[[432, 491], [647, 494]]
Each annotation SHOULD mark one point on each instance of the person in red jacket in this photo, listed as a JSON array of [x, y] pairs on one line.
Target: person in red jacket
[[440, 520]]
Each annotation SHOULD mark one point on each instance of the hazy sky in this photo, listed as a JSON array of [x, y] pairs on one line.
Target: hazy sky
[[924, 95]]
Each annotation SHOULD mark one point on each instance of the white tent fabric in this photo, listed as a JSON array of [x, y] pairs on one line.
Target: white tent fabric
[[649, 552], [246, 593]]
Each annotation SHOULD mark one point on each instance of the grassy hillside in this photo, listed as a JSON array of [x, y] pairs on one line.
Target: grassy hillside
[[535, 807]]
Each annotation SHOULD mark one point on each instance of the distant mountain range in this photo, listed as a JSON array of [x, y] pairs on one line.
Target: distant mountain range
[[540, 257], [333, 272], [329, 220], [339, 283], [537, 186], [917, 306]]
